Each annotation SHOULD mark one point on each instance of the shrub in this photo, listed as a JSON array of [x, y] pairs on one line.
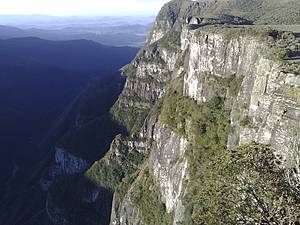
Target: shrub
[[242, 186], [106, 173], [246, 122], [109, 172], [293, 92], [131, 118], [146, 197]]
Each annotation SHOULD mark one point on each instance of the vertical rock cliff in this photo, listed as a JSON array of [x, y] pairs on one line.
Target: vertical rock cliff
[[212, 107]]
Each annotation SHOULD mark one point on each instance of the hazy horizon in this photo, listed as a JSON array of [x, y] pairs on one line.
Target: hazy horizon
[[59, 22], [81, 8], [79, 16]]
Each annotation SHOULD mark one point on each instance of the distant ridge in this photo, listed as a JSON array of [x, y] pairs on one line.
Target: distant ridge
[[113, 35], [32, 51]]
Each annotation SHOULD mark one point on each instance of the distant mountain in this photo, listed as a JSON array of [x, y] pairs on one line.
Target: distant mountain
[[115, 31], [67, 55], [56, 22], [116, 35], [12, 32], [38, 79]]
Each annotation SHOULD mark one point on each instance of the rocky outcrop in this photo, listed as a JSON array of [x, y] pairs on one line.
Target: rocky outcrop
[[235, 77], [262, 98], [124, 213], [64, 164], [168, 166], [237, 64]]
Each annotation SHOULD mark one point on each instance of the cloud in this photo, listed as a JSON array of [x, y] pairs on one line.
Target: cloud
[[80, 7]]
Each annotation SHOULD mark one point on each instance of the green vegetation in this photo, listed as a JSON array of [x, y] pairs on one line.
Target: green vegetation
[[226, 187], [259, 11], [134, 98], [132, 118], [129, 70], [109, 171], [106, 173], [243, 185], [231, 32], [183, 114], [128, 180], [171, 41], [294, 92], [232, 84], [131, 110], [293, 67], [235, 85], [148, 54], [147, 199], [279, 53], [281, 49], [247, 122]]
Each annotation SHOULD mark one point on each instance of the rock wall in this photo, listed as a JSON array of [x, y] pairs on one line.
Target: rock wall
[[262, 98], [168, 166], [262, 109], [235, 63]]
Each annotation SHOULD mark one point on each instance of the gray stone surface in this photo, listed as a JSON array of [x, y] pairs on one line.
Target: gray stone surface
[[204, 53]]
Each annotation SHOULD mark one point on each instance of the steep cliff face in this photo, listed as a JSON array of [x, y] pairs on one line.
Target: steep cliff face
[[263, 97], [211, 106], [213, 112]]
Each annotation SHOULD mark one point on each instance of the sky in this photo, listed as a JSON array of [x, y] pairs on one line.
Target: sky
[[81, 7]]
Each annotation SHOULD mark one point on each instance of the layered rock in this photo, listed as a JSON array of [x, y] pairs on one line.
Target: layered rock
[[198, 44], [235, 63], [262, 98]]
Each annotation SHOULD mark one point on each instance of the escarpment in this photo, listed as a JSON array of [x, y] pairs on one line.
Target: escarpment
[[203, 103], [212, 109]]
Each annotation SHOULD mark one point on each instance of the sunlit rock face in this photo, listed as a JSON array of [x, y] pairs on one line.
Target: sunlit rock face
[[274, 114], [190, 42], [202, 54], [168, 166]]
